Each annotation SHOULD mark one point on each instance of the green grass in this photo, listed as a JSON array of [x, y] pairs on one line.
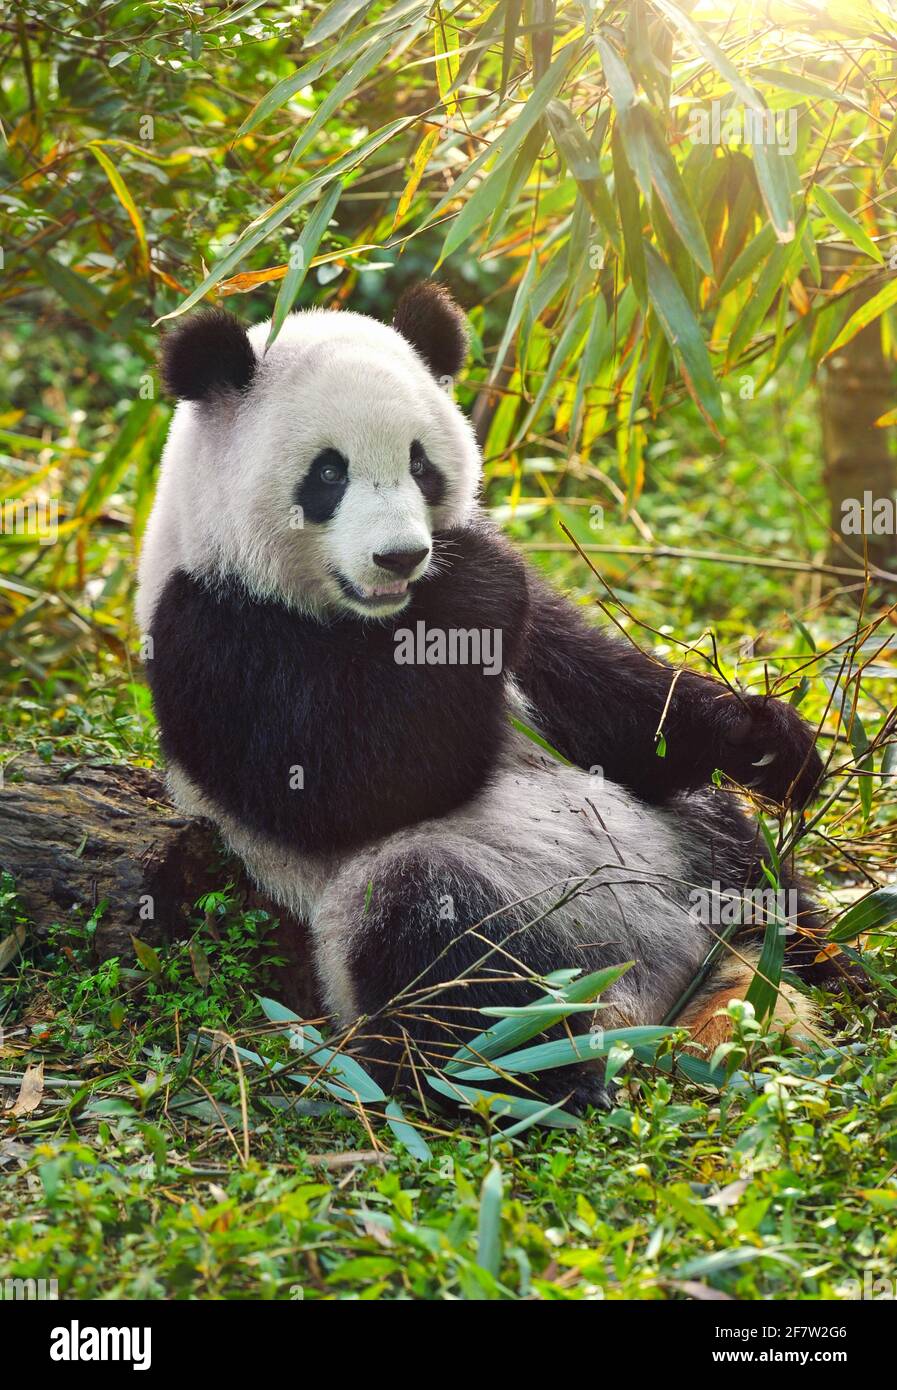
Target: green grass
[[142, 1176]]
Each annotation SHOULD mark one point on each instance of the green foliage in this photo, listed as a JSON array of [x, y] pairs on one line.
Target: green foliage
[[638, 203], [142, 1175]]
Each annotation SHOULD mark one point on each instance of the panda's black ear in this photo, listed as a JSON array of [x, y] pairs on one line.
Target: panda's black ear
[[206, 353], [432, 322]]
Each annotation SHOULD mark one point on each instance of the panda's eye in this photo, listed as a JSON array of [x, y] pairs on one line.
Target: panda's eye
[[331, 467], [426, 475]]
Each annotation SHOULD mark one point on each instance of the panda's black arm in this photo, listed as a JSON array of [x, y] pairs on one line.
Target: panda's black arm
[[600, 702]]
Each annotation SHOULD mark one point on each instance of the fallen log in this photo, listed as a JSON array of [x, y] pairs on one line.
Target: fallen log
[[75, 835]]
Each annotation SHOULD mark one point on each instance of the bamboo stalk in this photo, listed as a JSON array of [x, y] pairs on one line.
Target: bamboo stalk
[[671, 552]]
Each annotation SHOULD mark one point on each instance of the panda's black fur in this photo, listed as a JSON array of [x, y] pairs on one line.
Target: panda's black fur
[[264, 666], [209, 352], [247, 690], [383, 745]]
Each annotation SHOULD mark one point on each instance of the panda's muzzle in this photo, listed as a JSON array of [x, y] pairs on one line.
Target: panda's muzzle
[[389, 579], [374, 596], [401, 562]]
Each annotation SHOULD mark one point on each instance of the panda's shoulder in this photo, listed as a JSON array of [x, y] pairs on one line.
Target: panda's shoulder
[[479, 580], [211, 616]]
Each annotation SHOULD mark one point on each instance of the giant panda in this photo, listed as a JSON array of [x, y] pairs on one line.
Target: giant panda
[[317, 521]]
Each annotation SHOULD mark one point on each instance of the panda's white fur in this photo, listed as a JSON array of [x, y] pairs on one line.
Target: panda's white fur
[[582, 860], [225, 500]]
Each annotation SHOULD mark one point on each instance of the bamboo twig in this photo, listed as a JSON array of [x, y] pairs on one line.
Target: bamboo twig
[[671, 552]]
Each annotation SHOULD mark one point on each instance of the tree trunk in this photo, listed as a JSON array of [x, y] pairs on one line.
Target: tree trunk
[[74, 836]]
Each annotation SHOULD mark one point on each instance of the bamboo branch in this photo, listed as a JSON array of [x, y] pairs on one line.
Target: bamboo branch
[[671, 552]]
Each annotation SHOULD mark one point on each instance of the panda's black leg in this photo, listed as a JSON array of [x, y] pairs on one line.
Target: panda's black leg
[[429, 947]]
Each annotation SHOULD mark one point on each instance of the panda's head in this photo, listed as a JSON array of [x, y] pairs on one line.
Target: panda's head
[[322, 471]]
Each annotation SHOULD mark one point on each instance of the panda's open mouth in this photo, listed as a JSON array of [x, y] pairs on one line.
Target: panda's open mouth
[[386, 595]]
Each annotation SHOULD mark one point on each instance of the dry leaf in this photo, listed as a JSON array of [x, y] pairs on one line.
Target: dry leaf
[[727, 1196], [347, 1160], [702, 1292], [11, 945], [200, 962], [31, 1091]]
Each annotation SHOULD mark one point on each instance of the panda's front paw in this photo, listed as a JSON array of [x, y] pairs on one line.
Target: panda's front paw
[[766, 746]]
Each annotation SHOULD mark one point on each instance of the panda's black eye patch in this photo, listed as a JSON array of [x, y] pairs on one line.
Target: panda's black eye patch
[[321, 490], [331, 467], [428, 478]]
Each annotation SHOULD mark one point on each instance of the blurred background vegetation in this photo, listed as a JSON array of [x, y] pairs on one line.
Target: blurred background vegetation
[[684, 324]]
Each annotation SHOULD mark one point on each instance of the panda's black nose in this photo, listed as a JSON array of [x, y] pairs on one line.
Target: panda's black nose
[[401, 562]]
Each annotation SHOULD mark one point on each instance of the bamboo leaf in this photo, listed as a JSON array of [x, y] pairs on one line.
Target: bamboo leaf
[[866, 314], [447, 62], [76, 290], [542, 16], [859, 743], [107, 474], [290, 203], [774, 276], [629, 204], [307, 1040], [502, 148], [509, 40], [501, 1105], [301, 254], [287, 88], [595, 351], [693, 1068], [772, 166], [523, 728], [582, 159], [337, 14], [521, 300], [122, 193], [890, 149], [489, 1223], [872, 913], [840, 218], [673, 194], [418, 166], [510, 1033], [544, 1116], [406, 1134], [564, 1052], [806, 86], [512, 186], [684, 337], [478, 208], [279, 1013], [573, 334], [338, 95], [618, 1055], [626, 100], [763, 992]]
